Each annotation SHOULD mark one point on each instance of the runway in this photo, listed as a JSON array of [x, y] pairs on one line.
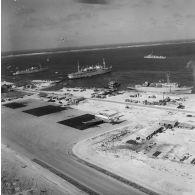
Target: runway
[[44, 139]]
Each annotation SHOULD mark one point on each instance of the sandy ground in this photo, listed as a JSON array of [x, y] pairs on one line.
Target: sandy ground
[[21, 176], [45, 139], [166, 175]]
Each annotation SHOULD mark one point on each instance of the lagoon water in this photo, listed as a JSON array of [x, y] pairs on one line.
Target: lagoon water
[[129, 65]]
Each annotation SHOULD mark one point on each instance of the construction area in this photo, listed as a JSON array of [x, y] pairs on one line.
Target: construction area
[[152, 142], [155, 148]]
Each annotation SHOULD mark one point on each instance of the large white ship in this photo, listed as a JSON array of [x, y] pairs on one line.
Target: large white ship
[[90, 71], [151, 56], [162, 87]]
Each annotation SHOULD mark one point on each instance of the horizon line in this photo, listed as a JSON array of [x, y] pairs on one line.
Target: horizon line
[[98, 47]]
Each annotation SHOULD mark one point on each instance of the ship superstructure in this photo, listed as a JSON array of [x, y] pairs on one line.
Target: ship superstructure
[[113, 85], [162, 87], [90, 71]]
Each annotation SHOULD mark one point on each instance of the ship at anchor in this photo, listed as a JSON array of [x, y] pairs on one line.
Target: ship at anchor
[[30, 70], [152, 56], [90, 71]]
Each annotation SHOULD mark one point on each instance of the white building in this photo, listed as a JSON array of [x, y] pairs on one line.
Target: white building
[[108, 116]]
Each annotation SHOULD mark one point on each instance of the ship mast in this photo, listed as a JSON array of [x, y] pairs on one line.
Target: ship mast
[[168, 79], [104, 63], [78, 66]]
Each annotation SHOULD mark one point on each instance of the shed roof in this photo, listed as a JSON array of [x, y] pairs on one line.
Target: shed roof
[[168, 122], [108, 112], [145, 132]]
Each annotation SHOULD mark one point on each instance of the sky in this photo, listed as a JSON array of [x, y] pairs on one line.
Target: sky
[[44, 24]]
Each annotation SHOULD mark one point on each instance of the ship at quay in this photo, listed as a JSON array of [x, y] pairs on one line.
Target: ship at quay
[[90, 71], [33, 69], [162, 87]]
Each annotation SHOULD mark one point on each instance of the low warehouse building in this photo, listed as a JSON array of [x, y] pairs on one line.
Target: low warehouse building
[[147, 133], [186, 126], [168, 124]]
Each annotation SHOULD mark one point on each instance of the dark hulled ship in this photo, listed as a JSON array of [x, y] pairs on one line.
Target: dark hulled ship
[[90, 71], [33, 69]]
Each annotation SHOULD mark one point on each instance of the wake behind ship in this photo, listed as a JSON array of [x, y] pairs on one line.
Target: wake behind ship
[[90, 71]]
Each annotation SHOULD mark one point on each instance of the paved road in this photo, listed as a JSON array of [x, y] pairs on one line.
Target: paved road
[[44, 139], [144, 106]]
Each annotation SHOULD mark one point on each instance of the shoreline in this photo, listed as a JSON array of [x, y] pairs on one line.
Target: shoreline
[[122, 97]]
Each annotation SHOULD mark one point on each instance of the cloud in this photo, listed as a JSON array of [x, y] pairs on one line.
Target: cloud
[[24, 11], [153, 21], [77, 16], [73, 16], [177, 16], [39, 22], [141, 3], [93, 1], [190, 16], [168, 3]]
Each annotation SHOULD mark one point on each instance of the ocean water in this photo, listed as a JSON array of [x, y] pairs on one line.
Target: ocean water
[[129, 65]]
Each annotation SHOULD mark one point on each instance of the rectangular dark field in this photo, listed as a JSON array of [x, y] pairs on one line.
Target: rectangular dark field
[[156, 153], [44, 110], [15, 105], [79, 122]]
